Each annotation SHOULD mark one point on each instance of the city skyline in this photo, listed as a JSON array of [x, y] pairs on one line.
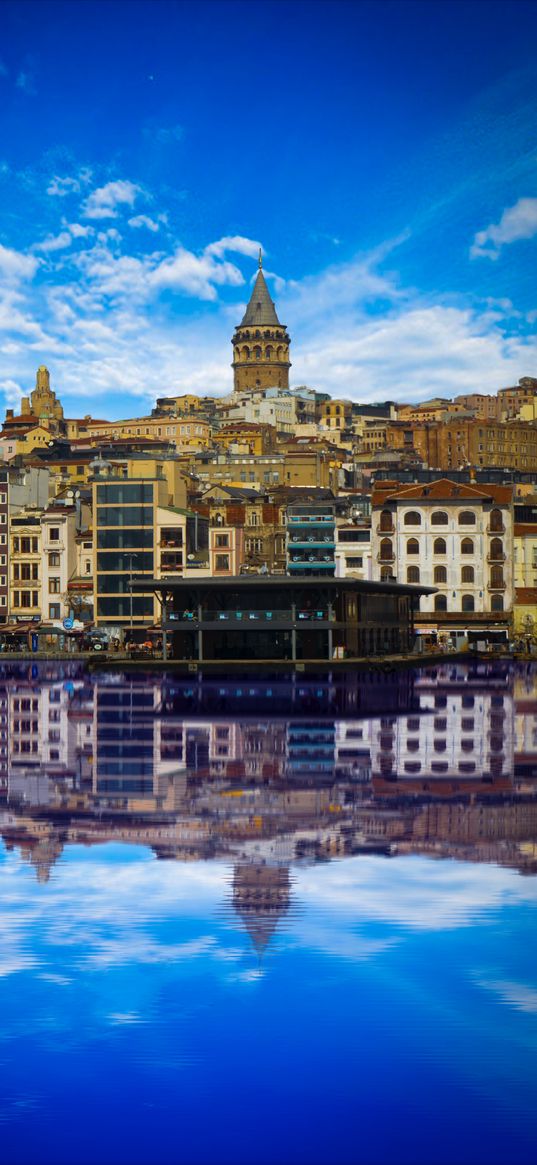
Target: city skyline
[[394, 203]]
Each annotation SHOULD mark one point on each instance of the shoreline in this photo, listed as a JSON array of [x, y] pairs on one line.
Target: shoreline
[[386, 663]]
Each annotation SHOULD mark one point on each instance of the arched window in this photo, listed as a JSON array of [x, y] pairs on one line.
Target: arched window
[[257, 352], [467, 574], [468, 603], [467, 546], [440, 603], [496, 549], [252, 519], [219, 519], [385, 574], [439, 518], [496, 576], [386, 521], [496, 520], [412, 766], [440, 574], [412, 546], [386, 549], [496, 603], [440, 746], [466, 518], [246, 353], [412, 518], [268, 352], [413, 574], [279, 353], [439, 546]]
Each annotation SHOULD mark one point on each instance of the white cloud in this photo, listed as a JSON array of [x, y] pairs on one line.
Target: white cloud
[[143, 220], [104, 202], [517, 222], [15, 266], [55, 242], [195, 275], [236, 243]]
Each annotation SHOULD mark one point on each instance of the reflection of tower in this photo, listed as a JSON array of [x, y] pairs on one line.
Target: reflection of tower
[[260, 343], [261, 896]]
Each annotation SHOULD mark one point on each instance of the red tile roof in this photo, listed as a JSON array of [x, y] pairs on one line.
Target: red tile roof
[[441, 490]]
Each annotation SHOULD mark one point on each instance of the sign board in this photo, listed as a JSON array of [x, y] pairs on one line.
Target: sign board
[[68, 624]]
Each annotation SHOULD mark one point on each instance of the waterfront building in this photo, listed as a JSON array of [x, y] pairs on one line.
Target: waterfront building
[[260, 343], [456, 538], [271, 618]]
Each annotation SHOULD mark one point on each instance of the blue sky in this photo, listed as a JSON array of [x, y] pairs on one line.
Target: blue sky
[[383, 155]]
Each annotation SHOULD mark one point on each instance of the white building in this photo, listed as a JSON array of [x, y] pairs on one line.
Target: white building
[[457, 538]]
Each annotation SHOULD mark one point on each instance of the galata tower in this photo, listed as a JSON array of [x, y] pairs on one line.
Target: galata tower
[[260, 343]]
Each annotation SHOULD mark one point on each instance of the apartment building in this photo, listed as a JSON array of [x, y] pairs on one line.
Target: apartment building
[[457, 444], [457, 538], [25, 554]]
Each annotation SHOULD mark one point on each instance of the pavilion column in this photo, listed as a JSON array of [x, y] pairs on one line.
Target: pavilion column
[[164, 619], [200, 634]]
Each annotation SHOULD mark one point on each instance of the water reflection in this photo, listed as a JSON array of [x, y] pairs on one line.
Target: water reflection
[[272, 772], [220, 916]]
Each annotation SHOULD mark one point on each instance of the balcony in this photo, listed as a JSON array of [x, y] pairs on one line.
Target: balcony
[[496, 586], [497, 556], [385, 529], [496, 529], [385, 559], [311, 544]]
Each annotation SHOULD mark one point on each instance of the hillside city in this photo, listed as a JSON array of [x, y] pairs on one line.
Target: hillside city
[[439, 494]]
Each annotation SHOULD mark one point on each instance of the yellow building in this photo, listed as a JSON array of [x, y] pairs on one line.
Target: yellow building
[[190, 433], [24, 441]]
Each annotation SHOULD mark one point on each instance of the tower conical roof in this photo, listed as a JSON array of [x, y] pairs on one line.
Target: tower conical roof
[[260, 309]]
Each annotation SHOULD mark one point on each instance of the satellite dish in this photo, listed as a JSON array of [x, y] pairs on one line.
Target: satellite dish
[[69, 494], [191, 557]]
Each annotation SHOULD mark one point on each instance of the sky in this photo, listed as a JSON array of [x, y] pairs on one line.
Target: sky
[[382, 154]]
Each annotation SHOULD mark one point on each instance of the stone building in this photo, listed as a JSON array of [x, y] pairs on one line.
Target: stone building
[[455, 537], [260, 343]]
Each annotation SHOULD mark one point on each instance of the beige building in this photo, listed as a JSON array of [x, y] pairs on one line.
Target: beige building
[[457, 538]]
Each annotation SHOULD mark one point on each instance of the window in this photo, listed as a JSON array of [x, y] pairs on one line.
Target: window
[[54, 611], [54, 558], [439, 546], [440, 574], [87, 568], [253, 519], [412, 546], [54, 586], [496, 603], [496, 576], [26, 599], [467, 546], [54, 534], [496, 520], [413, 574], [496, 549], [439, 518], [221, 562], [412, 518], [386, 549], [468, 603], [386, 520], [222, 540], [466, 518], [467, 574], [440, 603]]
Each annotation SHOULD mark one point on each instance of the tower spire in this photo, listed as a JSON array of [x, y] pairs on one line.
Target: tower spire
[[260, 260]]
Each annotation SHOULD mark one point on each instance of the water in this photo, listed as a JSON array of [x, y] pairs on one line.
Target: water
[[240, 924]]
